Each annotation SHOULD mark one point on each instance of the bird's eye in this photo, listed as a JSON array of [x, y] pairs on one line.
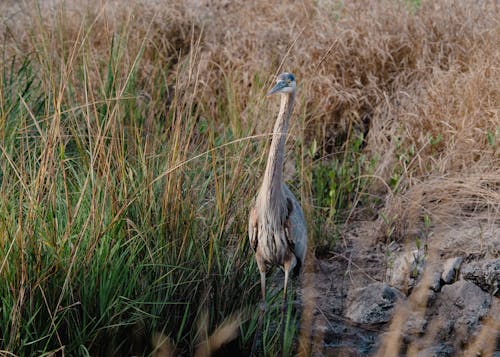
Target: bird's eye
[[288, 81]]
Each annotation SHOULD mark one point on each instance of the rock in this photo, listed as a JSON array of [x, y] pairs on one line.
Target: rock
[[414, 324], [406, 270], [435, 281], [440, 350], [485, 274], [460, 307], [450, 269], [467, 239], [373, 303]]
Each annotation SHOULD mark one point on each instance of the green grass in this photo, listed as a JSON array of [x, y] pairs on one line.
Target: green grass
[[124, 214]]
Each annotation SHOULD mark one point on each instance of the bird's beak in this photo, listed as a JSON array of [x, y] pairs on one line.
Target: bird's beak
[[279, 86]]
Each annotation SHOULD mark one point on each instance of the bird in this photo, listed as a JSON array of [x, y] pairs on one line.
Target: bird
[[276, 226]]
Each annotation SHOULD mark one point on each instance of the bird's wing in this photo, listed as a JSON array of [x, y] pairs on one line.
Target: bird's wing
[[253, 228], [295, 226], [287, 224]]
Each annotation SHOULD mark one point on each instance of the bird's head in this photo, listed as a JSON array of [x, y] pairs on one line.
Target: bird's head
[[285, 83]]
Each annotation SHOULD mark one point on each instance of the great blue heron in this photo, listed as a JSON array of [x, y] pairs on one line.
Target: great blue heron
[[277, 228]]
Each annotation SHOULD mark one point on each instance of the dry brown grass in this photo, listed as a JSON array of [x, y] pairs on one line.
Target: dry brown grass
[[225, 333], [471, 194], [208, 344], [422, 84], [401, 75]]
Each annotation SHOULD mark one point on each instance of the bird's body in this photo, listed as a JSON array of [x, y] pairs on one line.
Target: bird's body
[[277, 228]]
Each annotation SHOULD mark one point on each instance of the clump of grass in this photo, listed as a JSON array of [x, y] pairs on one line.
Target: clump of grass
[[100, 213]]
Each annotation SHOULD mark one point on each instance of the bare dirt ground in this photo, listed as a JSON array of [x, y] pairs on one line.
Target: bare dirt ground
[[434, 323]]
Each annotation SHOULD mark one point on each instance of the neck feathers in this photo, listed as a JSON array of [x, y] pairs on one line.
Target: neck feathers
[[273, 176]]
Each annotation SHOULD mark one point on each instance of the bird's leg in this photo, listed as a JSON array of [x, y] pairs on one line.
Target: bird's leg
[[263, 289], [287, 273], [258, 332], [287, 267], [283, 312]]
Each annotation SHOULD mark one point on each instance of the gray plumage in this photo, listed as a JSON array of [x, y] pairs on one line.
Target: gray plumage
[[277, 228]]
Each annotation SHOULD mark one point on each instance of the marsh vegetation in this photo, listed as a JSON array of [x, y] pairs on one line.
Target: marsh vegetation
[[132, 140]]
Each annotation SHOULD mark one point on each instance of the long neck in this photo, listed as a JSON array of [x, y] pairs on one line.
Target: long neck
[[273, 175]]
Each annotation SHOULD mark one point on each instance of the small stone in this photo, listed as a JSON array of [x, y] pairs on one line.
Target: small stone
[[435, 281], [450, 269], [373, 303], [406, 270]]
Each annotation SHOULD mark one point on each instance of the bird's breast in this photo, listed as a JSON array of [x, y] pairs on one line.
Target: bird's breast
[[273, 245]]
